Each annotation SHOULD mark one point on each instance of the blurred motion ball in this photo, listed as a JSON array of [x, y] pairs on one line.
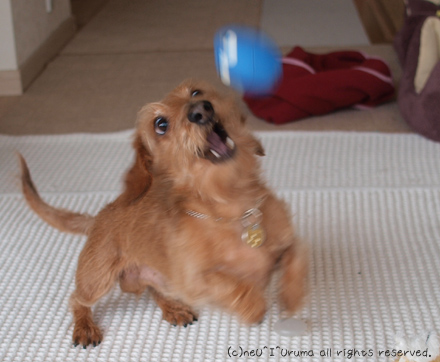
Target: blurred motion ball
[[247, 59]]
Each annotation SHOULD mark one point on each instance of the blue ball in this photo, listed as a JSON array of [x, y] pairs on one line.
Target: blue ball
[[247, 59]]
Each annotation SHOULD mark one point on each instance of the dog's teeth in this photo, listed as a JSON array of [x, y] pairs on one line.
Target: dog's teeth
[[230, 143], [215, 153]]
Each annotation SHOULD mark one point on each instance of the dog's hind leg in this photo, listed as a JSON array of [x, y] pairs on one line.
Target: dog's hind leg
[[98, 268], [174, 311], [85, 331]]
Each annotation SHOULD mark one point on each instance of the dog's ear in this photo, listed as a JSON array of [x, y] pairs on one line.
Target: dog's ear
[[138, 178]]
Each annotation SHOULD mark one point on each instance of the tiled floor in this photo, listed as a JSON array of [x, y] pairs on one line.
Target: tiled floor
[[133, 52]]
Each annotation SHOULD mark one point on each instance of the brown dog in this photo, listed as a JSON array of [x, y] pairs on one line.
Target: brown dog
[[195, 224]]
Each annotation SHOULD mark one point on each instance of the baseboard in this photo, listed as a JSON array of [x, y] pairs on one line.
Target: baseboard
[[10, 83], [14, 82]]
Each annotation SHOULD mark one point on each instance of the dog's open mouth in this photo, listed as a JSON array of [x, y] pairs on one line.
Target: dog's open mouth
[[220, 146]]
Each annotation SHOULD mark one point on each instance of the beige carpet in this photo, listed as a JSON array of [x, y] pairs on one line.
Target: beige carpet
[[166, 25], [133, 52], [313, 23], [101, 94], [95, 93]]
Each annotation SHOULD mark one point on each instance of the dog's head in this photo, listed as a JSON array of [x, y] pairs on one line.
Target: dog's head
[[194, 130]]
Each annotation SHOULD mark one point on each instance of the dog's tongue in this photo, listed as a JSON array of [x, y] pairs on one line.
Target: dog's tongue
[[216, 144]]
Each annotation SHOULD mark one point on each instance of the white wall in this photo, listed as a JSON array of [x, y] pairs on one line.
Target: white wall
[[33, 24], [25, 25], [32, 32], [8, 58]]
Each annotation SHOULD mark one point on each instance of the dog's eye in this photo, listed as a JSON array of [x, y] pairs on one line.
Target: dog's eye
[[196, 93], [161, 125]]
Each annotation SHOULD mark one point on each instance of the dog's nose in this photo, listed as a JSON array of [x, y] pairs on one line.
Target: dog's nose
[[201, 112]]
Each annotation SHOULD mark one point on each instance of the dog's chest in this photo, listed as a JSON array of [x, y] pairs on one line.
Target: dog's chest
[[231, 251]]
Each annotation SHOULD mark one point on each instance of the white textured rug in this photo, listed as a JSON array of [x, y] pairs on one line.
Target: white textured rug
[[368, 204]]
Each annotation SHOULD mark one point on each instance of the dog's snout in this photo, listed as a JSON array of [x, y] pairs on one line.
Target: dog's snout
[[201, 112]]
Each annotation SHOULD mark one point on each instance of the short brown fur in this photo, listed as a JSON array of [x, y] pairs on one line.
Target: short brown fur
[[145, 239]]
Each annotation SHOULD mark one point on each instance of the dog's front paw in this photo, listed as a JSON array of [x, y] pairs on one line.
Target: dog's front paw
[[174, 311], [293, 282], [85, 334], [178, 314]]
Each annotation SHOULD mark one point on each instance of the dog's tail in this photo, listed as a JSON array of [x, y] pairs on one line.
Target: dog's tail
[[61, 219]]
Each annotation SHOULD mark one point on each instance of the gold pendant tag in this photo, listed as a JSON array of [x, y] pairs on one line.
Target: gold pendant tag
[[254, 235]]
